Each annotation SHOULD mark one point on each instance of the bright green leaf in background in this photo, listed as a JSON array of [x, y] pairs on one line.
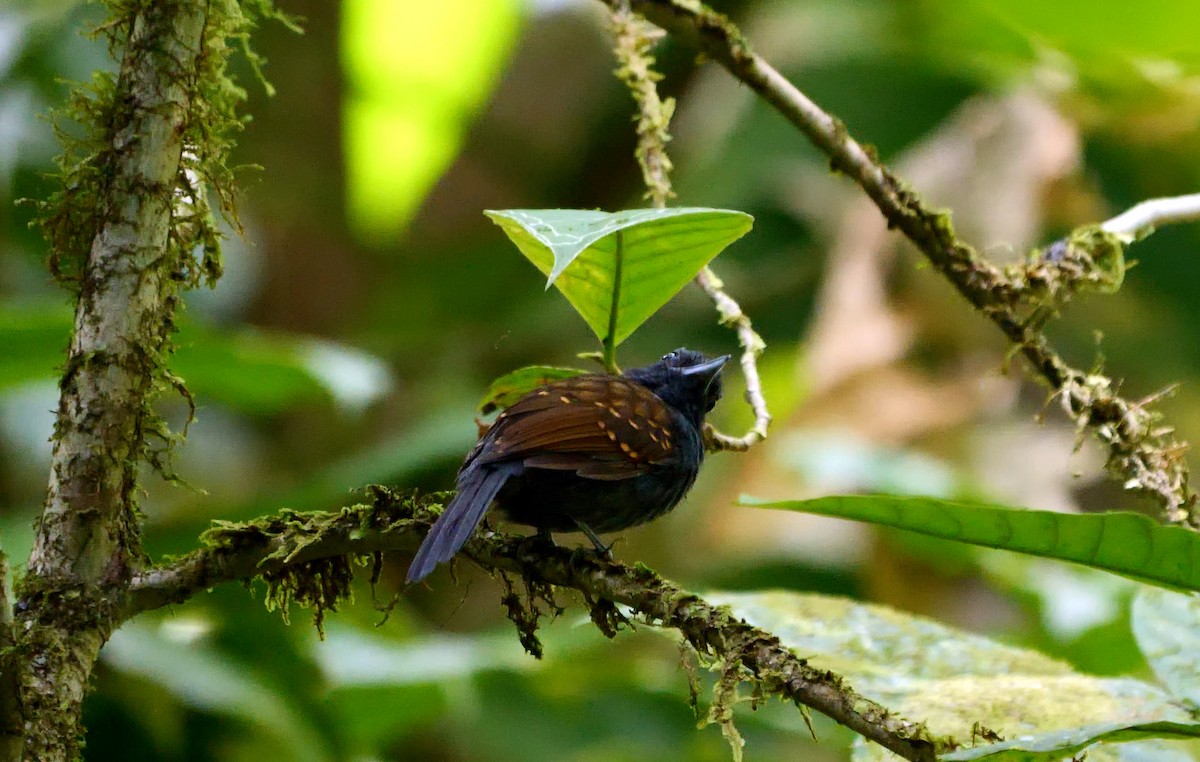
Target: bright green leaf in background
[[661, 250], [952, 679], [1129, 544], [379, 687], [1128, 56], [35, 337], [416, 76]]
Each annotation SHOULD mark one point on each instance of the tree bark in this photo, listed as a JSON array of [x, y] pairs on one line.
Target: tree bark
[[87, 537]]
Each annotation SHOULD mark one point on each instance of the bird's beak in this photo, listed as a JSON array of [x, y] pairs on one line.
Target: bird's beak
[[708, 370]]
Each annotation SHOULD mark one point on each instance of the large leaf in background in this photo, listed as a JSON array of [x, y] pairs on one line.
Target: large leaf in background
[[1167, 628], [245, 369], [661, 250], [441, 438], [203, 678], [248, 370], [379, 687], [1063, 744], [1124, 543], [259, 371], [951, 680], [34, 337], [1096, 49]]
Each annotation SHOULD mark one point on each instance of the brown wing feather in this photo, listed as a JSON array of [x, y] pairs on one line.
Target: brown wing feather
[[601, 427]]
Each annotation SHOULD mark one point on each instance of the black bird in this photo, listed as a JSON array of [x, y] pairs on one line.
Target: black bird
[[593, 453]]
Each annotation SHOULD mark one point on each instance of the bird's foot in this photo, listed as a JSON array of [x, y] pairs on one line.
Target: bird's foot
[[602, 550], [584, 558], [533, 543]]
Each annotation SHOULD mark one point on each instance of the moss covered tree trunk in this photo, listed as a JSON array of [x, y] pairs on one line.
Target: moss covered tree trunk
[[122, 232]]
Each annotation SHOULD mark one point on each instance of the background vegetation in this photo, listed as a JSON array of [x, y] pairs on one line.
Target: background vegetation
[[370, 302]]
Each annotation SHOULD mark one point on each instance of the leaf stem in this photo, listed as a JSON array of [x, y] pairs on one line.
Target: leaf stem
[[610, 341]]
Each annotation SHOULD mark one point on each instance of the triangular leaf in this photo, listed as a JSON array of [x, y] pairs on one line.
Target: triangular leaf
[[661, 250]]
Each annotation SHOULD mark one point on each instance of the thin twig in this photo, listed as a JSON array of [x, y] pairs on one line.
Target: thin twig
[[752, 346], [1141, 452], [634, 41], [1140, 220]]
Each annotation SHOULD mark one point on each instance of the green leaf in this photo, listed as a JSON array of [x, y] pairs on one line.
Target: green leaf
[[1106, 55], [950, 680], [513, 386], [379, 688], [873, 646], [1061, 744], [661, 250], [1167, 628], [35, 337], [351, 657], [1129, 544], [254, 371]]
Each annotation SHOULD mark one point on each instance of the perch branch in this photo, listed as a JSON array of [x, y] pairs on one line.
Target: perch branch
[[1141, 452], [634, 41], [270, 547]]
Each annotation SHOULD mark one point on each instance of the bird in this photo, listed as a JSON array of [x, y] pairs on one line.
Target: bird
[[594, 453]]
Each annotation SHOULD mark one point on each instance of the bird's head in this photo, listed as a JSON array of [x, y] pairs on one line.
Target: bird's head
[[684, 379]]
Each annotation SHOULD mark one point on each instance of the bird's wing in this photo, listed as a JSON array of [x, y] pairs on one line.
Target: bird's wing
[[599, 426]]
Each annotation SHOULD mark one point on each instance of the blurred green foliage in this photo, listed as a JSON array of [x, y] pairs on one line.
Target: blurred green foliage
[[371, 303]]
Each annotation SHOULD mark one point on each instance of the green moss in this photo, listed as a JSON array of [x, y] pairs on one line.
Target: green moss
[[524, 614], [90, 128], [1088, 259], [318, 585], [322, 582]]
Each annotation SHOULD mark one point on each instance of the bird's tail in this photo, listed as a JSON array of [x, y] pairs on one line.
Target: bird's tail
[[477, 487]]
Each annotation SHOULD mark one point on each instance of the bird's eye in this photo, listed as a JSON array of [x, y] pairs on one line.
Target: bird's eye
[[669, 356]]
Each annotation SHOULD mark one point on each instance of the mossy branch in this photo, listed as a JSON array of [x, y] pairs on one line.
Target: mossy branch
[[300, 553], [1142, 453]]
